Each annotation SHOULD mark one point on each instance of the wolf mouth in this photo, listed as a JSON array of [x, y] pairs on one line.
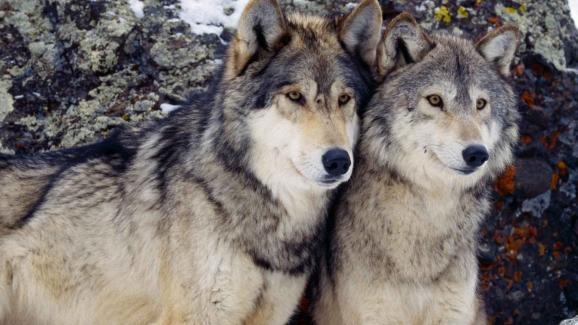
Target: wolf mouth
[[465, 171], [330, 181]]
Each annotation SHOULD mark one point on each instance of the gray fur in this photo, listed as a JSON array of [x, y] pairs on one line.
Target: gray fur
[[403, 248], [194, 220]]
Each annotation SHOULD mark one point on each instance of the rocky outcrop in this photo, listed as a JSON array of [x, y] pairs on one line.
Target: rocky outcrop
[[71, 71]]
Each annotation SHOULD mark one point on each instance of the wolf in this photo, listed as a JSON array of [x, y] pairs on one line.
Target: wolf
[[438, 129], [212, 215]]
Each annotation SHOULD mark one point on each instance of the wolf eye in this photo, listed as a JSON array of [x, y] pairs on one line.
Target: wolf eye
[[344, 99], [295, 96], [435, 101], [481, 104]]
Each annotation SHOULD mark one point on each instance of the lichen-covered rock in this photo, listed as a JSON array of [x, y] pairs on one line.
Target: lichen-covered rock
[[548, 29], [71, 71], [533, 177]]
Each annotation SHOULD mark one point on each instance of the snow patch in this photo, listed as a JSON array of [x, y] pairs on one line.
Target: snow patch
[[167, 108], [573, 321], [211, 16], [137, 7], [574, 10]]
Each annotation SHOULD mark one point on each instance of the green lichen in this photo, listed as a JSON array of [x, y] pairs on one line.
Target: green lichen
[[543, 25], [6, 100]]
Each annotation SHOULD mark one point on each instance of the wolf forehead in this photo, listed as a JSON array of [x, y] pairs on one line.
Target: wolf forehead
[[314, 52], [456, 59]]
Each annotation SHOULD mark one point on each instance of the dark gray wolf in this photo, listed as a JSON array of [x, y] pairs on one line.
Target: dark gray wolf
[[439, 128], [214, 215]]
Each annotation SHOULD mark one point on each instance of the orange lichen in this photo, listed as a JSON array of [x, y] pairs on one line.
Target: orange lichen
[[542, 71], [517, 276], [499, 238], [550, 142], [499, 205], [541, 250], [562, 168], [519, 70], [558, 246], [529, 98], [554, 181], [526, 139], [529, 286], [495, 20], [564, 283], [505, 185]]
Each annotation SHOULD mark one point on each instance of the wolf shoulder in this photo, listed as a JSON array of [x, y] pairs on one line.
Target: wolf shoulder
[[27, 180]]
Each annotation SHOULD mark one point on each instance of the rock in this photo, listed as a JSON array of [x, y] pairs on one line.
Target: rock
[[533, 177], [547, 35], [516, 295], [71, 71], [537, 205], [573, 321], [571, 294], [486, 253], [6, 100]]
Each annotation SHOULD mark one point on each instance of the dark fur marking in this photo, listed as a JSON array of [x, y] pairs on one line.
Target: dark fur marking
[[69, 158], [261, 40], [402, 47], [168, 156]]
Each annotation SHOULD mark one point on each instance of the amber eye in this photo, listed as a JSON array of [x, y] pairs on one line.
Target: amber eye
[[435, 100], [295, 96], [344, 99], [481, 104]]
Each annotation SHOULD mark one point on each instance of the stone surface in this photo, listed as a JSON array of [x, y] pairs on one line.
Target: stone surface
[[71, 71], [533, 177]]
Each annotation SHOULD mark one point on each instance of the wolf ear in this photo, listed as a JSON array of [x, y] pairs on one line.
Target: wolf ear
[[499, 46], [360, 31], [404, 42], [261, 27]]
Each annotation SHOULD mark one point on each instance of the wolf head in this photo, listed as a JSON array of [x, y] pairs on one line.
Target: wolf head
[[291, 89], [445, 114]]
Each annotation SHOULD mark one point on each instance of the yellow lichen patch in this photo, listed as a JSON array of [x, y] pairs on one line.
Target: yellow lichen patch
[[522, 9], [442, 13], [462, 12], [510, 10]]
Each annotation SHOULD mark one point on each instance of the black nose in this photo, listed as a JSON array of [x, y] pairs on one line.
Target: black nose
[[336, 162], [475, 156]]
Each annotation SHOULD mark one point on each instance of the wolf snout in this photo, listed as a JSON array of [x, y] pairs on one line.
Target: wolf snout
[[336, 162], [475, 155]]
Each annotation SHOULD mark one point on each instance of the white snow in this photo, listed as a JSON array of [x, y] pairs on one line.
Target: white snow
[[208, 16], [167, 108], [574, 10], [137, 7]]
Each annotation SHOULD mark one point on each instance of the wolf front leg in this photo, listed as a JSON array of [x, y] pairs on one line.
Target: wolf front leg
[[455, 298], [209, 284], [280, 299]]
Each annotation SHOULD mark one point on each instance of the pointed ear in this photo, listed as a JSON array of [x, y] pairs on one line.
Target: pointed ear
[[360, 31], [404, 42], [499, 46], [261, 27]]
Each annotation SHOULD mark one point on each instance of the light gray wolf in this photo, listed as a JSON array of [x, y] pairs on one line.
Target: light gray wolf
[[438, 129], [211, 216]]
